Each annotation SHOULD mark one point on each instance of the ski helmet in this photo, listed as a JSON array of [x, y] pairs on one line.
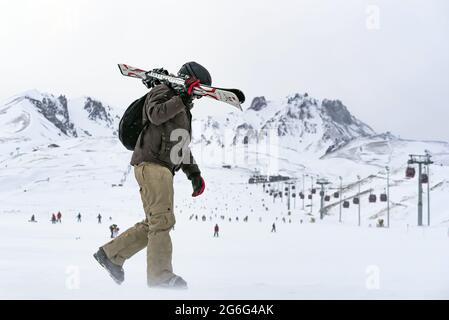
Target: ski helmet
[[196, 70]]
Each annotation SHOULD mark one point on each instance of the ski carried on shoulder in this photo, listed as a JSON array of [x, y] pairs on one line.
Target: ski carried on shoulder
[[234, 97]]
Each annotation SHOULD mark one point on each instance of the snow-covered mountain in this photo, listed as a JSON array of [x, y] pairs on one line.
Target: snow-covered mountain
[[313, 138], [300, 122], [45, 117]]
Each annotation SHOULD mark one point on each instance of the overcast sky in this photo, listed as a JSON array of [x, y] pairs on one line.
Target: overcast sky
[[387, 60]]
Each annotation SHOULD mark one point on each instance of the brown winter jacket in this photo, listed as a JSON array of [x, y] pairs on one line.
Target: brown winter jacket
[[163, 113]]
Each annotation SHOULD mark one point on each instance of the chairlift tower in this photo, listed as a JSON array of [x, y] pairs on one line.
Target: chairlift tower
[[288, 188], [359, 181], [420, 160], [341, 197], [322, 183], [387, 168]]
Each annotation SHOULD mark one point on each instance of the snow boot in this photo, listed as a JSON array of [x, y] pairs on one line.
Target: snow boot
[[115, 271], [175, 282]]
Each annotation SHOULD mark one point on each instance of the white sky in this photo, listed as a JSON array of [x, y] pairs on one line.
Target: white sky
[[394, 77]]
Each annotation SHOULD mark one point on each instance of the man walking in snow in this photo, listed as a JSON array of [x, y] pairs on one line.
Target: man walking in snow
[[99, 218], [273, 228], [160, 151], [59, 216], [79, 217]]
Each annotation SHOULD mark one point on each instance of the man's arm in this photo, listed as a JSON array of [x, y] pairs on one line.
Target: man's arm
[[159, 108], [190, 168], [193, 173]]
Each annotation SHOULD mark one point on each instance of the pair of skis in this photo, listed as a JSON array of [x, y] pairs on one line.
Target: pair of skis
[[234, 97]]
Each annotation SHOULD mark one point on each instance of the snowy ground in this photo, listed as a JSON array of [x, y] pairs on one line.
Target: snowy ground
[[322, 260], [309, 261]]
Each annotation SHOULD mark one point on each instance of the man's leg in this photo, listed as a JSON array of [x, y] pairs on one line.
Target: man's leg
[[127, 244], [156, 184]]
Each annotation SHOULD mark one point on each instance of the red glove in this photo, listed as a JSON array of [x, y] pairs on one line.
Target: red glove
[[198, 185], [191, 83]]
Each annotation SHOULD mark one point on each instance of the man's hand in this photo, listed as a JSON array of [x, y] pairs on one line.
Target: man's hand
[[186, 92], [151, 82], [190, 84], [198, 184]]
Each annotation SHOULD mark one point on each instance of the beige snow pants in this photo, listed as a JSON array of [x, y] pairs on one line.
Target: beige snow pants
[[156, 190]]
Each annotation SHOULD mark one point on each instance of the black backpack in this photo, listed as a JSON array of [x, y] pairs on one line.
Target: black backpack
[[131, 124]]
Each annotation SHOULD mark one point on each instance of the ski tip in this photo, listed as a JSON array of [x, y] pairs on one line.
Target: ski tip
[[241, 96], [122, 68]]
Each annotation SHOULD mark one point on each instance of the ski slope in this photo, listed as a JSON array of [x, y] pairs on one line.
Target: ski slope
[[321, 260]]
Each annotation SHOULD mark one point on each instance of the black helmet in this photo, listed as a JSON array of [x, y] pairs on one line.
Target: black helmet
[[196, 70]]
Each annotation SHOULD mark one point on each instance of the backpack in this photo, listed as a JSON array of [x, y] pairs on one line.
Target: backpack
[[131, 124]]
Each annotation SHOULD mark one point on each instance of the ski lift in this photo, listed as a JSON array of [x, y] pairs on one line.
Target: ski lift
[[313, 190], [286, 189], [271, 193], [383, 197], [269, 185], [267, 191], [372, 198], [280, 194], [286, 194], [301, 195], [336, 194], [356, 200], [321, 193], [294, 195], [293, 187], [410, 172], [345, 204], [327, 198], [309, 197], [424, 178]]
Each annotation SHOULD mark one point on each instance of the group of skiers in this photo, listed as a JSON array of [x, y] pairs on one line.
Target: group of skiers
[[57, 218], [54, 217]]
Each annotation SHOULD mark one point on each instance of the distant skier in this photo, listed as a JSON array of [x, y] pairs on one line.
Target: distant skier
[[112, 228], [273, 227], [33, 219], [99, 218], [216, 229], [115, 232], [53, 218], [79, 217], [59, 216], [380, 223]]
